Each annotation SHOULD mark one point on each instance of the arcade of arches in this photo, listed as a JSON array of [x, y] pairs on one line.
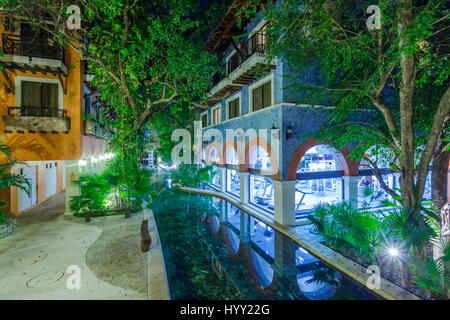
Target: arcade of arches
[[317, 174]]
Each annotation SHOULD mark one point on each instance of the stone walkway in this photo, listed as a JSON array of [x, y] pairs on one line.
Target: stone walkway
[[34, 261]]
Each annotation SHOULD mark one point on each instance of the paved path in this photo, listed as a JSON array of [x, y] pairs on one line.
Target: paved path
[[34, 260]]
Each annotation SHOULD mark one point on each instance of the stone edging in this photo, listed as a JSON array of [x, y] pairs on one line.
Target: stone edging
[[8, 227], [388, 290]]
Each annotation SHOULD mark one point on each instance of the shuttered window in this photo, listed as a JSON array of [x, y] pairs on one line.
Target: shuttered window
[[204, 120], [216, 116], [233, 108], [262, 96]]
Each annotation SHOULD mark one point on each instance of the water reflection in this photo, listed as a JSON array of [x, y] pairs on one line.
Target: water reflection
[[249, 258], [276, 266]]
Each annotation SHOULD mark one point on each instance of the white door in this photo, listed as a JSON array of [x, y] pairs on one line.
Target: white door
[[24, 200], [51, 179], [64, 175]]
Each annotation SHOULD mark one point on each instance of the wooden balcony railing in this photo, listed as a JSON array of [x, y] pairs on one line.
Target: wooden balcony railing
[[257, 43], [30, 46]]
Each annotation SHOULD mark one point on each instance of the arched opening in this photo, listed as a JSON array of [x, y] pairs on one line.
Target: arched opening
[[212, 157], [260, 158], [319, 175], [212, 154], [233, 179]]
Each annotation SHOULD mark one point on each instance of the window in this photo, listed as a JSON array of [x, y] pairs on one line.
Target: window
[[233, 182], [204, 120], [233, 108], [216, 116], [39, 96], [262, 192], [87, 106], [262, 96]]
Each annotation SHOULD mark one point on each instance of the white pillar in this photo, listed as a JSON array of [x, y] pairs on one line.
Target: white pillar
[[351, 190], [72, 173], [244, 179], [284, 201], [223, 179], [245, 232]]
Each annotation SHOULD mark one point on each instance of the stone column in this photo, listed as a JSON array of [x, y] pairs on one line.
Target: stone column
[[245, 227], [284, 201], [244, 179], [351, 190], [223, 179]]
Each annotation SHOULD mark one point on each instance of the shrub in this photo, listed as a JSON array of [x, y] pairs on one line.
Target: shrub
[[2, 218]]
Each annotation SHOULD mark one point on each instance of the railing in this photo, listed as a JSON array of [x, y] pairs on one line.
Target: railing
[[257, 43], [37, 112], [30, 46], [216, 78], [234, 62]]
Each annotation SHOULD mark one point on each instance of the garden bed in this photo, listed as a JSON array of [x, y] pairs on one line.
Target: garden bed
[[8, 226]]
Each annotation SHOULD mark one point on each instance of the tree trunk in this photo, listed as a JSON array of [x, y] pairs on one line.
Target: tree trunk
[[407, 63], [439, 180]]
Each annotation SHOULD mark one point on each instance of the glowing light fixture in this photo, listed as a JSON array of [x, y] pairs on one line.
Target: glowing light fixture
[[393, 252]]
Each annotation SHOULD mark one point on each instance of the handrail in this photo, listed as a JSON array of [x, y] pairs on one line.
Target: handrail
[[257, 43], [31, 46], [88, 214], [27, 111]]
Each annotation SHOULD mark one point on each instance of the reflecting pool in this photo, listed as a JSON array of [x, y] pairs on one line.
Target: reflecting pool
[[213, 250]]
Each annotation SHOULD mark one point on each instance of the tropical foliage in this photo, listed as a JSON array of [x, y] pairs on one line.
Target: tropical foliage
[[146, 56], [8, 179], [123, 184], [369, 237], [389, 85]]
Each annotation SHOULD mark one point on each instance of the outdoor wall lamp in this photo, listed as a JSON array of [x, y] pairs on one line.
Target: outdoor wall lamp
[[288, 132]]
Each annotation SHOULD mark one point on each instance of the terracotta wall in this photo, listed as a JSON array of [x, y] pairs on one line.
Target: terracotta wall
[[48, 146]]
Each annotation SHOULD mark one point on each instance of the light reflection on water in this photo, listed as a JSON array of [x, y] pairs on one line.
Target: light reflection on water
[[250, 259]]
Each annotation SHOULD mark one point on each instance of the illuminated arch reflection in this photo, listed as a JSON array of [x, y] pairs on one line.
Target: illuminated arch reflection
[[316, 282], [232, 242], [214, 225]]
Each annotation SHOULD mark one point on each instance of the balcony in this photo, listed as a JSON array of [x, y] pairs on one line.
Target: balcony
[[242, 68], [30, 53], [34, 119]]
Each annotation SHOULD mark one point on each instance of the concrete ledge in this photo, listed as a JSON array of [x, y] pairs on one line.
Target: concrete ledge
[[158, 285], [344, 265], [26, 123]]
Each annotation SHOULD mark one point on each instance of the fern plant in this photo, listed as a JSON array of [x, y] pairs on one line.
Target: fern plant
[[93, 191]]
